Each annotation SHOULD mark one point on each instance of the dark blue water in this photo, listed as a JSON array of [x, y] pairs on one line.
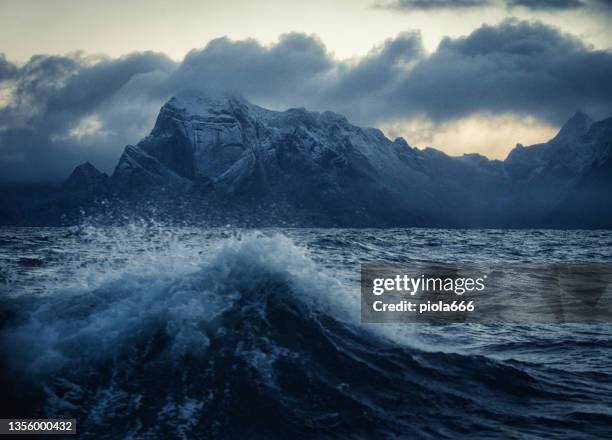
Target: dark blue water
[[152, 332]]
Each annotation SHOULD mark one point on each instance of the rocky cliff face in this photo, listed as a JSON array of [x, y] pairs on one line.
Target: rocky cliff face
[[316, 165], [229, 143], [227, 159]]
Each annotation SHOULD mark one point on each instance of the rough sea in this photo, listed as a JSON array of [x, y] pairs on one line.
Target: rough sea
[[152, 332]]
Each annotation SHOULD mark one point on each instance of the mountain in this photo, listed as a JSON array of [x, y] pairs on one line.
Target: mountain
[[546, 173], [219, 160], [589, 204], [563, 156], [314, 168], [86, 179]]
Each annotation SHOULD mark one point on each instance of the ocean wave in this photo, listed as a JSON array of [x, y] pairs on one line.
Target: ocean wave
[[247, 335]]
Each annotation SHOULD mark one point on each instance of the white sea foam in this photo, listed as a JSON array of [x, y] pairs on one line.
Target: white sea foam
[[137, 287]]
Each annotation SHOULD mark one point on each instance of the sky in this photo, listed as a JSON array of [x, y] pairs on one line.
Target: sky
[[81, 79]]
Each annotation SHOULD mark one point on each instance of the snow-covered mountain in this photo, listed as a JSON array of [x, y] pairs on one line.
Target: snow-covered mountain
[[567, 155], [229, 143], [317, 166], [223, 159], [226, 155]]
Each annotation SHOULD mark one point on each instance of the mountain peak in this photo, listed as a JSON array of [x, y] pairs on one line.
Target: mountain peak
[[580, 118], [574, 128], [199, 103], [85, 177], [87, 170]]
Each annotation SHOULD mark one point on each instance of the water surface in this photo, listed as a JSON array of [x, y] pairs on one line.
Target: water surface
[[155, 332]]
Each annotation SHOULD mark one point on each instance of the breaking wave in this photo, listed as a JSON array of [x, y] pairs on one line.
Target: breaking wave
[[248, 337]]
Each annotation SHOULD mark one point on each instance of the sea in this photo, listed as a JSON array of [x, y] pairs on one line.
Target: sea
[[147, 331]]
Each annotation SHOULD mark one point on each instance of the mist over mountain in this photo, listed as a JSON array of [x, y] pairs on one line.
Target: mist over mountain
[[224, 160]]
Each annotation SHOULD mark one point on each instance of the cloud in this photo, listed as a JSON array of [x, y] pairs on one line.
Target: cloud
[[547, 4], [428, 5], [7, 69], [406, 6], [63, 110], [526, 68], [286, 68], [50, 96]]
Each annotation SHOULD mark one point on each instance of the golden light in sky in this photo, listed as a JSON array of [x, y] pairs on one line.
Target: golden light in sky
[[490, 135]]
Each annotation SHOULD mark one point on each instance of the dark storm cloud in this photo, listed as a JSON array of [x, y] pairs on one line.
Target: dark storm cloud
[[65, 110], [283, 69], [514, 67], [534, 5], [380, 68], [427, 5], [7, 69], [358, 89], [49, 97], [547, 4], [297, 71], [551, 5], [603, 5]]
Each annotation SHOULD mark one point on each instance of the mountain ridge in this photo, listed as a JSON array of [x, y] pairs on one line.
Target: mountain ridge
[[224, 157]]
